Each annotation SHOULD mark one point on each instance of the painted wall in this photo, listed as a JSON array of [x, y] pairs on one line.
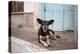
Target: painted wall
[[53, 11], [34, 8], [69, 17], [28, 6]]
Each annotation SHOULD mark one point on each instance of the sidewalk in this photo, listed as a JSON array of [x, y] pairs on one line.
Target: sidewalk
[[21, 46]]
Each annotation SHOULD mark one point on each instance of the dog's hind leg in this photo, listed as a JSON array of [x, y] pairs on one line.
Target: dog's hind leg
[[58, 36], [52, 34]]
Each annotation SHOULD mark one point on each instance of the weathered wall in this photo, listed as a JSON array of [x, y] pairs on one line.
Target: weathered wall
[[28, 18], [36, 11], [25, 20]]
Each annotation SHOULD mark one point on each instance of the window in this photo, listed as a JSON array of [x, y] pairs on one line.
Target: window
[[17, 6]]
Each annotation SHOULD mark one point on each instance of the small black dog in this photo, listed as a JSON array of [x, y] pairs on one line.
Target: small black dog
[[45, 33]]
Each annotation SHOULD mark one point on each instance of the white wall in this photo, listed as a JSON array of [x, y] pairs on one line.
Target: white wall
[[28, 6], [34, 8]]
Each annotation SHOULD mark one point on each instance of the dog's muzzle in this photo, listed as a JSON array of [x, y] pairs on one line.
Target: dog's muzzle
[[45, 28]]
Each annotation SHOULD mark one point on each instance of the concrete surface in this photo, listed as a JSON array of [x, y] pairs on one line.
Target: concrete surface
[[68, 40], [21, 46]]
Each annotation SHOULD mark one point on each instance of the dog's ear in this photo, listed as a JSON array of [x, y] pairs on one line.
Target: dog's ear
[[50, 22], [39, 21]]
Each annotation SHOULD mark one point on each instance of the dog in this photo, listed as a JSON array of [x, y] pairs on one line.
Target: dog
[[44, 33]]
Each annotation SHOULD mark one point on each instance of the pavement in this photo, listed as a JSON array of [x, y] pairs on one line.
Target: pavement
[[26, 40], [21, 46]]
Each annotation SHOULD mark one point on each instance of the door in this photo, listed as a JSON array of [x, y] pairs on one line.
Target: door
[[69, 17], [62, 14], [52, 11]]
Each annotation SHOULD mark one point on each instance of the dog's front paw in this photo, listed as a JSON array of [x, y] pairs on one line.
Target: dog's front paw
[[46, 46], [49, 45]]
